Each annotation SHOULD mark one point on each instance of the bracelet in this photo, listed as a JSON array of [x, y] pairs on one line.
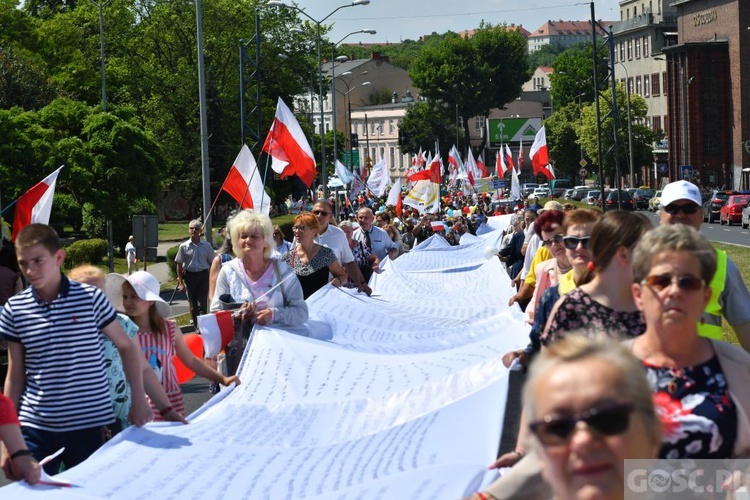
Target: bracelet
[[519, 453], [482, 496], [164, 411], [21, 453]]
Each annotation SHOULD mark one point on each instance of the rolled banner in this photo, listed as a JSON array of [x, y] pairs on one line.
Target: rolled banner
[[216, 329]]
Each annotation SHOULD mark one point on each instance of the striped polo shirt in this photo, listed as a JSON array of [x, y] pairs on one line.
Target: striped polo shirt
[[66, 384]]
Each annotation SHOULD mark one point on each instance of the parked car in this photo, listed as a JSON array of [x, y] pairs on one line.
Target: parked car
[[568, 193], [540, 192], [731, 211], [712, 206], [641, 197], [745, 217], [579, 193], [617, 199], [592, 197], [528, 188], [653, 203]]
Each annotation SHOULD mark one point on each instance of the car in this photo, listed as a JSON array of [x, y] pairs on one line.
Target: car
[[540, 192], [731, 211], [619, 200], [579, 192], [528, 188], [654, 202], [745, 217], [592, 197], [641, 198], [712, 206]]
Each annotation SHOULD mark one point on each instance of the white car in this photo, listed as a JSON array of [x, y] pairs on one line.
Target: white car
[[540, 192], [592, 197]]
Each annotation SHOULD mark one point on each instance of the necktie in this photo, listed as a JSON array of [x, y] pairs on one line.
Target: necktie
[[368, 242]]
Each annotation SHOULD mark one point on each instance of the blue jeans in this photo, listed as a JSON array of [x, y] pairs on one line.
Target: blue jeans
[[79, 445]]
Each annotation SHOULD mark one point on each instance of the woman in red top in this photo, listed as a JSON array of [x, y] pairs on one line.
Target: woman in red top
[[17, 461]]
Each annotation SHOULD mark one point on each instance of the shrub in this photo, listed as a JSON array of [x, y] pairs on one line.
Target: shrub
[[94, 222], [171, 254], [85, 252]]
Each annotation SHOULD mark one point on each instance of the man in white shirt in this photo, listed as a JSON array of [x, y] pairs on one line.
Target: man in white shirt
[[378, 240], [335, 239]]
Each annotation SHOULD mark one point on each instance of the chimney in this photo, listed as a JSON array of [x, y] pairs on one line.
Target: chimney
[[394, 98]]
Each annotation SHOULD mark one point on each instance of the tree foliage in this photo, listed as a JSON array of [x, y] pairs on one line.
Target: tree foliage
[[476, 74], [544, 56], [426, 122]]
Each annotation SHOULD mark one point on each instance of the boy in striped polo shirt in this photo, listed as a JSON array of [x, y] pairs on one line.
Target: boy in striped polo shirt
[[56, 376]]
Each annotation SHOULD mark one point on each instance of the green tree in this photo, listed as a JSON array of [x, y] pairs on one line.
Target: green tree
[[562, 140], [428, 121], [544, 56], [643, 137], [476, 74]]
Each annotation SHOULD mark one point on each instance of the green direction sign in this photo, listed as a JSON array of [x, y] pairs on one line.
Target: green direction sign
[[350, 158], [506, 130]]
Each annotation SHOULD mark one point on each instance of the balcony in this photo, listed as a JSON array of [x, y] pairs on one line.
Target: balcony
[[645, 20]]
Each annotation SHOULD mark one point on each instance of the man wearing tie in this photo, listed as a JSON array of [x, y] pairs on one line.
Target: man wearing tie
[[374, 238]]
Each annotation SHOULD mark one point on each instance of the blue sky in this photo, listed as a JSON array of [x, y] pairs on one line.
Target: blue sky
[[397, 20]]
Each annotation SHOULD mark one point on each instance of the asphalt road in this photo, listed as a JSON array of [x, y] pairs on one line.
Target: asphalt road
[[714, 232]]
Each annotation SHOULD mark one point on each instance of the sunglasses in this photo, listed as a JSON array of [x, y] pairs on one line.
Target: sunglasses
[[558, 238], [321, 212], [687, 282], [687, 208], [571, 242], [608, 420], [299, 228]]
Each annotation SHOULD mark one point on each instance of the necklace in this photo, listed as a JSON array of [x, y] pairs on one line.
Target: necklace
[[677, 375]]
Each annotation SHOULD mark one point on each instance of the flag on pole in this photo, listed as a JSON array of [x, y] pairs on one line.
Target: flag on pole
[[288, 146], [515, 185], [520, 156], [481, 166], [243, 183], [343, 173], [394, 197], [379, 179], [509, 165], [432, 173], [424, 196], [472, 170], [35, 205], [500, 163], [540, 155], [357, 186]]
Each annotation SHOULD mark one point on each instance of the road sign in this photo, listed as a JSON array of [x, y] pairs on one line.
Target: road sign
[[498, 184], [686, 172], [583, 172], [350, 158], [663, 167], [583, 163], [505, 130]]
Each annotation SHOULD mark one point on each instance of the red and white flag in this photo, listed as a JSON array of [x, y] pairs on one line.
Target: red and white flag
[[454, 159], [520, 156], [288, 146], [35, 205], [508, 159], [243, 183], [472, 170], [481, 166], [500, 163], [432, 173], [394, 197], [217, 330], [540, 155]]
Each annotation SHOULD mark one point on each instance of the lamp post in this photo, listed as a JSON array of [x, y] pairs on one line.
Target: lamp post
[[630, 123], [349, 106], [279, 3], [101, 6], [335, 121]]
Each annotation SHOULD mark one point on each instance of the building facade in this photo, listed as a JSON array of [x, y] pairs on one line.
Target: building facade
[[562, 34]]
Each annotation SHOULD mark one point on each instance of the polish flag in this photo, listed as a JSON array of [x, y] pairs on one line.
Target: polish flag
[[216, 329], [432, 173], [243, 183], [394, 197], [472, 170], [508, 158], [35, 205], [288, 146], [481, 166], [500, 163], [540, 153], [520, 156]]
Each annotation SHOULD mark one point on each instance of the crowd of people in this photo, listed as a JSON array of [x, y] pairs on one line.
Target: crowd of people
[[624, 359]]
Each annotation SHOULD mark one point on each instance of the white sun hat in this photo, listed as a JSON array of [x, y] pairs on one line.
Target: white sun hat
[[146, 286]]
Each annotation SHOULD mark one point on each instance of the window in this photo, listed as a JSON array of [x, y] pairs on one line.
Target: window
[[391, 127], [646, 86], [630, 50], [656, 122], [372, 128], [637, 48], [622, 51], [381, 126], [478, 124], [655, 85], [664, 82], [666, 126], [630, 86], [646, 51], [648, 121], [638, 85]]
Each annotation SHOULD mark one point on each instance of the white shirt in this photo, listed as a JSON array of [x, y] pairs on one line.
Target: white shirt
[[335, 239], [379, 240]]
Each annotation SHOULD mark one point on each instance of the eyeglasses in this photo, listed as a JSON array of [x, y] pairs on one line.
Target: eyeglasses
[[558, 238], [299, 228], [321, 212], [687, 282], [687, 208], [608, 420], [571, 242]]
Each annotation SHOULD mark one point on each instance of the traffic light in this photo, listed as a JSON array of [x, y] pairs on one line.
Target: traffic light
[[355, 140], [402, 138]]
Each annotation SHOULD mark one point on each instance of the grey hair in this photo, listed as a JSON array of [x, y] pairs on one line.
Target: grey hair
[[247, 220], [675, 238], [632, 385]]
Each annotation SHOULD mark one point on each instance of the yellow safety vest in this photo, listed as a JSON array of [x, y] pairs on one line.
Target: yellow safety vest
[[710, 324]]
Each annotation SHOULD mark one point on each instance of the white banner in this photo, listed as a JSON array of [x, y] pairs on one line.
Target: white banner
[[398, 395]]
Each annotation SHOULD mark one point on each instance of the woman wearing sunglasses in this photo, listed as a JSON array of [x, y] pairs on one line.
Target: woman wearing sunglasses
[[605, 304], [699, 384]]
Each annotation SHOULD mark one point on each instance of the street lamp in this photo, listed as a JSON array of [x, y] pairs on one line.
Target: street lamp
[[280, 4], [349, 113], [630, 122]]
